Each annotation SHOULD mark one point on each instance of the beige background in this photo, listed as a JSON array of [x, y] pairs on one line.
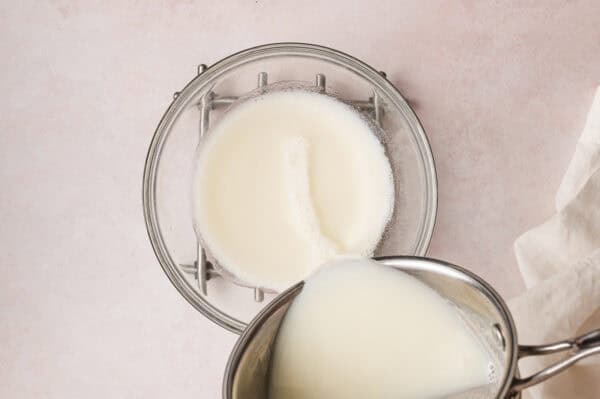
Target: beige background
[[502, 89]]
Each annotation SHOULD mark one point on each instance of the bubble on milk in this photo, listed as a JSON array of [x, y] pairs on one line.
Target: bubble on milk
[[492, 375]]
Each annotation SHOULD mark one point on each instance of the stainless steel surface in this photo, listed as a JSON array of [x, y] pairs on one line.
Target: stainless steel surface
[[248, 366], [259, 295], [247, 371], [481, 307], [320, 82], [262, 79], [377, 109], [580, 347]]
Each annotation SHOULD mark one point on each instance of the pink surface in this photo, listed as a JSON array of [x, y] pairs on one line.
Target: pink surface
[[85, 310]]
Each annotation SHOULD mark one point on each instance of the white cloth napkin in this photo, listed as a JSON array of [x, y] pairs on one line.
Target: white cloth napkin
[[560, 263]]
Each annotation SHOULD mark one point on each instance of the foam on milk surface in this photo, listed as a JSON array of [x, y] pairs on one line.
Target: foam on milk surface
[[363, 330], [287, 181]]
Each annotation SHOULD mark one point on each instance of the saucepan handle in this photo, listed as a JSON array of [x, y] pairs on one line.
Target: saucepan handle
[[579, 348]]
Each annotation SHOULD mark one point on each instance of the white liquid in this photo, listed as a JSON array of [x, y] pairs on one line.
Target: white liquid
[[287, 181], [363, 330]]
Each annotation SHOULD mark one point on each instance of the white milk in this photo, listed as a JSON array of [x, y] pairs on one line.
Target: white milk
[[287, 181], [363, 330]]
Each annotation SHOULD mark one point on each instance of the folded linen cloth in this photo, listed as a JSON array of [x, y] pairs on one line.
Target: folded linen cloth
[[560, 264]]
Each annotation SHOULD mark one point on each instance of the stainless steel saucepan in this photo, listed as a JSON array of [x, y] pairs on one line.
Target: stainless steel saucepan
[[247, 372]]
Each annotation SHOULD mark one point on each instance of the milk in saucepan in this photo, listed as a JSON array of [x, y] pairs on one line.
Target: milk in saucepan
[[360, 329]]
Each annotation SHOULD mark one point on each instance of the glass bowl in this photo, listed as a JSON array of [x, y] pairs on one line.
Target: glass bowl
[[169, 164]]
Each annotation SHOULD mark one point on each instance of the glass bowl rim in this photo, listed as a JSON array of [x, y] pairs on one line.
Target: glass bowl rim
[[181, 100]]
